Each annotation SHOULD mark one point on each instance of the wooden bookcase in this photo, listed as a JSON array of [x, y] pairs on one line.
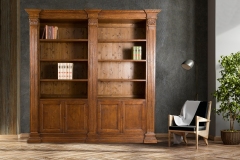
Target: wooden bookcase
[[111, 97]]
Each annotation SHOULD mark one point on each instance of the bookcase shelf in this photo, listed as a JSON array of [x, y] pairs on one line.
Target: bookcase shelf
[[122, 80], [111, 96], [63, 40], [64, 60], [119, 60], [120, 40], [63, 80]]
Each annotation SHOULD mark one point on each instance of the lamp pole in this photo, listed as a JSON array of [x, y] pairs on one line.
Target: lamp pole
[[187, 65], [196, 80]]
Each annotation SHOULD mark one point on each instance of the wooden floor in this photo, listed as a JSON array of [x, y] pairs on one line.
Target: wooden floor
[[14, 149]]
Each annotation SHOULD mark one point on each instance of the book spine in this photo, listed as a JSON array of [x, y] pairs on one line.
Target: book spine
[[71, 71], [59, 70], [67, 70], [139, 53], [46, 32], [55, 32], [134, 52], [64, 71]]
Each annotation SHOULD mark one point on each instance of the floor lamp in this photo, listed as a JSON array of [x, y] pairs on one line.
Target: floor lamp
[[187, 65]]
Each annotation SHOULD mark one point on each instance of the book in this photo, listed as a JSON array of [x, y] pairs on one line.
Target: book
[[134, 54], [65, 70], [139, 57], [70, 70], [43, 34], [137, 52], [50, 32], [59, 70]]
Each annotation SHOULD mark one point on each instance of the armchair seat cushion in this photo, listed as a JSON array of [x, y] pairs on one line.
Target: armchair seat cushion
[[186, 128]]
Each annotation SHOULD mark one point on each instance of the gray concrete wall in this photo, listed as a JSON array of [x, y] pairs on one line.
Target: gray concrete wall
[[181, 35]]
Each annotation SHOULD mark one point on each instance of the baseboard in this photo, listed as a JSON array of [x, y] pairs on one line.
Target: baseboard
[[3, 137], [17, 136], [214, 138], [161, 135], [165, 136], [23, 135]]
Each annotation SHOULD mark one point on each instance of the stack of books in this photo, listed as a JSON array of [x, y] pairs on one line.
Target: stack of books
[[137, 52], [50, 32], [65, 70]]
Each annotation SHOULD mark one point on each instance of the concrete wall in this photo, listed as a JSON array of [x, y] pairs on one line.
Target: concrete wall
[[181, 35]]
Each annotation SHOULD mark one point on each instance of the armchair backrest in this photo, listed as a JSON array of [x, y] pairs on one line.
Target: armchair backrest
[[202, 111]]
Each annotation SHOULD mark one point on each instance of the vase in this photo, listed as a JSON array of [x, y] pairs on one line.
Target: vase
[[230, 137]]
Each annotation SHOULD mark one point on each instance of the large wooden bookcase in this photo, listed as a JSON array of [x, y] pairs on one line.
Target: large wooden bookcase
[[111, 97]]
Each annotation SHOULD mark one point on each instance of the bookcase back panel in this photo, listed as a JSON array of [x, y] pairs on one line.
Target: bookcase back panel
[[66, 30], [121, 89], [119, 51], [121, 70], [59, 51], [73, 33], [63, 89], [49, 70], [122, 32]]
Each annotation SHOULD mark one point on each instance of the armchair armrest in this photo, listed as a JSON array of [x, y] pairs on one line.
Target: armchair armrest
[[201, 119], [170, 119]]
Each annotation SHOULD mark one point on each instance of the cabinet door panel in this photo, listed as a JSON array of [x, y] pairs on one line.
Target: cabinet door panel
[[109, 116], [134, 116], [51, 117], [76, 117]]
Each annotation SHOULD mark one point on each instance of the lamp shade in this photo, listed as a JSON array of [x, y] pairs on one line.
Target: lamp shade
[[188, 64]]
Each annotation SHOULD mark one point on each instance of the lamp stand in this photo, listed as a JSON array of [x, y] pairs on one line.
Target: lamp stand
[[196, 80]]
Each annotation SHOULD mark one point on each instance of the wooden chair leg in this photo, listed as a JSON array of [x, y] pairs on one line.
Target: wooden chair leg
[[184, 138], [169, 138], [196, 141], [206, 140]]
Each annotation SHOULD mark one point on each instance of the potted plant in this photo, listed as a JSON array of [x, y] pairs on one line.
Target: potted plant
[[228, 94]]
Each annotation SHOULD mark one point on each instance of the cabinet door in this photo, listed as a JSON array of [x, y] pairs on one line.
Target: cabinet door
[[51, 117], [109, 116], [134, 117], [76, 115]]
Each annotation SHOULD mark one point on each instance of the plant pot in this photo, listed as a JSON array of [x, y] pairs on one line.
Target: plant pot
[[230, 137]]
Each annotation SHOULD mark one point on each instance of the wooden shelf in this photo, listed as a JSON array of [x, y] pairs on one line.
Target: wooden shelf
[[122, 80], [137, 97], [76, 97], [120, 40], [120, 60], [63, 80], [63, 40], [63, 60]]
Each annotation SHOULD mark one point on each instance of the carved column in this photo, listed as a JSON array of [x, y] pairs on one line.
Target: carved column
[[34, 86], [150, 57], [92, 72]]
